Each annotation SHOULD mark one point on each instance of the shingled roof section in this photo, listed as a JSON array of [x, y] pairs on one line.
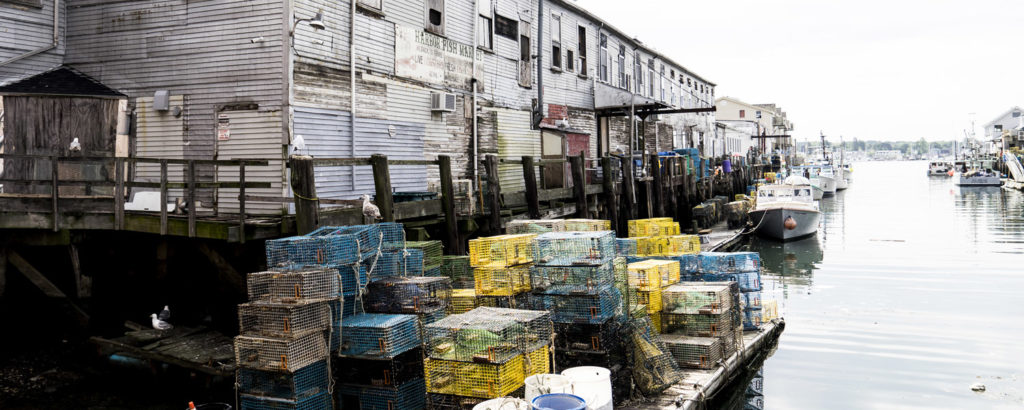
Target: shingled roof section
[[62, 80]]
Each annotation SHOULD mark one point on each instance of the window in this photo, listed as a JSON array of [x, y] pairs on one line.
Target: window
[[370, 4], [638, 73], [650, 77], [661, 82], [581, 38], [743, 113], [525, 68], [622, 66], [556, 41], [485, 27], [570, 62], [506, 27], [603, 62], [435, 16]]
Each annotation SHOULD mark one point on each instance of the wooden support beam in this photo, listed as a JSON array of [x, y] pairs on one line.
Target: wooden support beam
[[119, 194], [658, 185], [382, 187], [225, 272], [579, 183], [670, 199], [494, 184], [83, 283], [611, 203], [48, 288], [452, 242], [3, 271], [193, 207], [163, 197], [55, 193], [241, 203], [530, 178], [628, 192], [307, 206]]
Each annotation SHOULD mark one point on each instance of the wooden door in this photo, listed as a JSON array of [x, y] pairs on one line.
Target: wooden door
[[575, 144], [552, 146]]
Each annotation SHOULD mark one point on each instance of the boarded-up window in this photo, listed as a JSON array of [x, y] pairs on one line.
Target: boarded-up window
[[603, 63], [570, 61], [525, 68], [622, 66], [485, 26], [556, 41], [581, 39], [371, 4], [506, 27], [435, 16]]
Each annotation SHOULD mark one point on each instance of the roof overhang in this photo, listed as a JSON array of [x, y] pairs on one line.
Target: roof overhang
[[610, 101]]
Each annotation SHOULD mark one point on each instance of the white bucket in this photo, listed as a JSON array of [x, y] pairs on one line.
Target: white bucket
[[593, 384], [539, 384], [503, 403]]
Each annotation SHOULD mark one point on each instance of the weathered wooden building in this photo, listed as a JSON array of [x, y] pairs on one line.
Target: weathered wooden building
[[413, 79]]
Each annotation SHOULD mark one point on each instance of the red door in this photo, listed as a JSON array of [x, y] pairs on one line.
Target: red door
[[576, 143]]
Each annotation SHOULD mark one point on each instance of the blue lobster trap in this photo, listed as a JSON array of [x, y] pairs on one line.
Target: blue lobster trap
[[411, 395], [752, 318], [403, 368], [392, 235], [574, 248], [326, 246], [747, 281], [305, 382], [595, 308], [571, 280], [354, 276], [729, 262], [379, 335], [435, 271], [601, 337], [368, 238], [625, 246], [319, 401], [400, 262], [751, 299], [408, 294]]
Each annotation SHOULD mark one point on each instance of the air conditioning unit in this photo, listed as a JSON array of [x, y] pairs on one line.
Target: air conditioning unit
[[442, 102]]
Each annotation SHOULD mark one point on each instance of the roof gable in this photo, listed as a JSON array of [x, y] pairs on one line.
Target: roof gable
[[62, 80]]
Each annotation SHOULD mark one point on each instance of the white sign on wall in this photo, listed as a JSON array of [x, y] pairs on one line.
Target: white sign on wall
[[433, 59]]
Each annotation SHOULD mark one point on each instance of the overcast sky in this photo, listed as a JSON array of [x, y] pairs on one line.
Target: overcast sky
[[871, 69]]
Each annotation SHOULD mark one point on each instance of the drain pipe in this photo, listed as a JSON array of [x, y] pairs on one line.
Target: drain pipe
[[540, 62], [352, 74], [472, 84], [43, 49]]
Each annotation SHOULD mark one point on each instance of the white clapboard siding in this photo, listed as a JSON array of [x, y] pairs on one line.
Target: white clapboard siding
[[515, 140], [159, 134], [26, 29], [254, 135]]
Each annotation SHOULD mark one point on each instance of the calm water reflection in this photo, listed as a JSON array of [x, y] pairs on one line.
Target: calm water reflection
[[910, 293]]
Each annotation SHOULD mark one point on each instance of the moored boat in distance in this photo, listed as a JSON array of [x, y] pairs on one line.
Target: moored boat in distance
[[972, 173], [821, 176], [786, 211], [940, 169]]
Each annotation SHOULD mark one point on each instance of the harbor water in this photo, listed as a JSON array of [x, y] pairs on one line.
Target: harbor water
[[911, 292]]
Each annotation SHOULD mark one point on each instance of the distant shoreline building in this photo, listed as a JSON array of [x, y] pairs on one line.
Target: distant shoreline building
[[756, 120]]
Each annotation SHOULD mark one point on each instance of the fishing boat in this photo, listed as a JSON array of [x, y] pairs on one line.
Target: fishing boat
[[940, 169], [975, 172], [840, 177], [822, 177], [786, 211]]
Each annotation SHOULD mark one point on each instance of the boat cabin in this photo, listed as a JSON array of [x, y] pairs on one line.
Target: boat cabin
[[771, 194]]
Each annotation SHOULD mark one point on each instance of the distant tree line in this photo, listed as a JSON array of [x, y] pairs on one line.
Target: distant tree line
[[919, 146]]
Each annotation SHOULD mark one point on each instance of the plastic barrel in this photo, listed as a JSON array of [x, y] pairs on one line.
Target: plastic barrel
[[726, 166], [503, 403], [593, 383], [540, 384], [558, 401]]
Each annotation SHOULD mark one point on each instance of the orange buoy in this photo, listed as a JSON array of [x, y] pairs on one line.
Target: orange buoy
[[789, 223], [950, 172]]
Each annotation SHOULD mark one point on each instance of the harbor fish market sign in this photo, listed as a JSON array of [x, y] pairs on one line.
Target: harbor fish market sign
[[433, 59]]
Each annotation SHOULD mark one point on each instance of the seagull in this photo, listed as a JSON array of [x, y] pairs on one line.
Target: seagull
[[298, 145], [165, 314], [160, 324], [75, 145], [370, 211]]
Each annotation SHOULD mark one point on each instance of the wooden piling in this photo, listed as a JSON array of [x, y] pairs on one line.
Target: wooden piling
[[579, 186], [658, 184], [628, 191], [307, 205], [382, 187], [530, 178], [610, 198], [494, 184], [452, 243]]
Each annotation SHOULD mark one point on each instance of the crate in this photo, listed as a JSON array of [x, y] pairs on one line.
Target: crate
[[747, 281], [305, 382], [600, 337], [463, 300], [379, 372], [273, 319], [280, 354], [501, 251], [501, 281], [291, 286], [587, 225], [411, 395], [574, 248], [637, 228], [729, 262], [457, 268], [488, 335], [399, 262], [379, 335], [652, 274], [694, 352], [482, 380], [595, 308], [571, 280], [751, 300], [769, 310], [432, 252], [625, 246], [535, 226], [698, 325], [651, 299], [696, 298], [410, 294], [318, 401], [753, 318], [675, 245]]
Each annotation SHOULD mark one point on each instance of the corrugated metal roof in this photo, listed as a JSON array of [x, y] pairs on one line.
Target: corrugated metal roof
[[62, 80]]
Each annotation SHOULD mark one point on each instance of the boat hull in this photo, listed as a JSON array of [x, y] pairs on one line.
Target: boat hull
[[977, 181], [817, 192], [827, 184], [771, 223]]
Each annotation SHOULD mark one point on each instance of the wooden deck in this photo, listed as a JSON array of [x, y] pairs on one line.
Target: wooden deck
[[198, 349]]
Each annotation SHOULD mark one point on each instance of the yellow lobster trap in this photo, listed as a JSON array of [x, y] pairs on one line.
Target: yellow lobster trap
[[675, 245], [501, 281], [501, 251], [638, 228]]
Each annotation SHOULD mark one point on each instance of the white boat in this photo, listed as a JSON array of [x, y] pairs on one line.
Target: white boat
[[973, 173], [786, 211], [817, 192], [940, 169], [821, 176], [840, 177]]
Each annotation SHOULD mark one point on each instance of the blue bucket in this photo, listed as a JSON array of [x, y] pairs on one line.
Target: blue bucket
[[559, 401]]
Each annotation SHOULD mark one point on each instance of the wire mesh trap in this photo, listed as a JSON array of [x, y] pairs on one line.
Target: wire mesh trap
[[654, 369], [463, 300], [729, 262], [305, 382], [637, 228], [484, 380], [652, 274], [696, 298], [432, 252], [770, 310], [675, 245], [379, 372], [402, 262], [280, 354], [411, 395], [458, 270], [379, 335], [273, 319], [574, 248], [595, 308], [587, 225], [354, 277], [368, 237], [698, 325], [501, 251], [535, 226], [651, 299], [298, 252], [694, 352], [410, 294], [290, 286], [488, 335], [747, 281], [318, 401], [600, 337], [518, 301], [501, 281], [625, 247], [392, 235], [751, 300], [571, 280], [752, 318]]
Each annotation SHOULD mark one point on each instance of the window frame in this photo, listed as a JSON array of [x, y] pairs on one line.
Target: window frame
[[556, 41], [603, 67], [438, 29], [581, 50]]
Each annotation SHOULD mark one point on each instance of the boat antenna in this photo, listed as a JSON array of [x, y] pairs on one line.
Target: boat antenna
[[823, 156]]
